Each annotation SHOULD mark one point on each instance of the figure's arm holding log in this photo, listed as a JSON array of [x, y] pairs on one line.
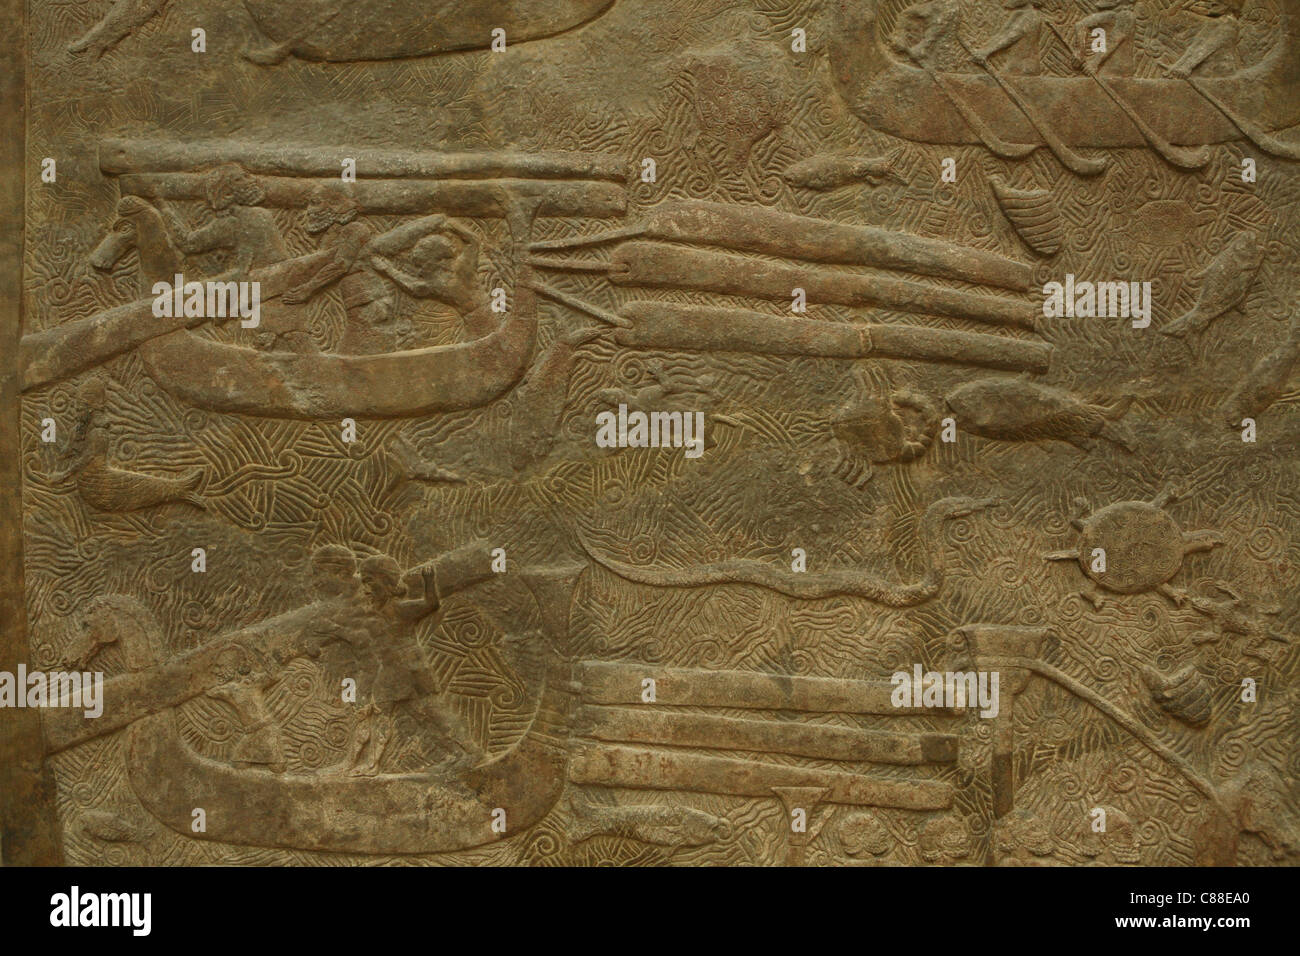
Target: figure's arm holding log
[[416, 609]]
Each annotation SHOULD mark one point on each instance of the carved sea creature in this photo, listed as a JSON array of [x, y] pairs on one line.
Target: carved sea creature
[[850, 582], [863, 835], [648, 823], [1022, 410], [1225, 283], [1185, 694], [1134, 546], [880, 425], [833, 171], [1265, 383], [1118, 844], [1034, 216], [1237, 616], [106, 487]]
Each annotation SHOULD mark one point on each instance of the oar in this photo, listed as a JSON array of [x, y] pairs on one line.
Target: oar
[[1268, 143], [1079, 165], [1181, 156], [992, 142]]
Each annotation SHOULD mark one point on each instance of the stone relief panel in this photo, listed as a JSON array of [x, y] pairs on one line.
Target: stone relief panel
[[604, 432]]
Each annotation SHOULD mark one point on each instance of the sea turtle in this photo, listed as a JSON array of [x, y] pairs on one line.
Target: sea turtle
[[1133, 546]]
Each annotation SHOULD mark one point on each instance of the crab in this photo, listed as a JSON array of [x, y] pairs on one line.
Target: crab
[[880, 425], [1143, 548]]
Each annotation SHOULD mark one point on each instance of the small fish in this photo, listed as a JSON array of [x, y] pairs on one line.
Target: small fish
[[1021, 410], [1224, 284], [1265, 383], [831, 172], [109, 826], [648, 823]]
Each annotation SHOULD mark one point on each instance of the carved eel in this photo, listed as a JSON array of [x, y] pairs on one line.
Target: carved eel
[[819, 584]]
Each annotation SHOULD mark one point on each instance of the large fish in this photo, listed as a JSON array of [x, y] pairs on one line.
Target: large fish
[[1265, 383], [830, 172], [1225, 284], [1020, 410], [648, 823], [344, 30]]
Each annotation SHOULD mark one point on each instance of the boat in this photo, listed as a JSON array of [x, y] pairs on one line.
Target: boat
[[393, 813], [388, 813], [232, 378], [326, 30], [905, 100]]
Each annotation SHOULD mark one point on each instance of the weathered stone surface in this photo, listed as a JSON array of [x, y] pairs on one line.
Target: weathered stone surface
[[593, 420]]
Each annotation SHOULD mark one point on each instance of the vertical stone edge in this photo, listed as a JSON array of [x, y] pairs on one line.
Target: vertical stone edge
[[29, 830]]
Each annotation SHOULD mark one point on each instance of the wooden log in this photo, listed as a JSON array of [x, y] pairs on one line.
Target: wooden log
[[661, 266], [640, 724], [616, 682], [670, 326], [784, 234], [478, 198], [642, 769], [160, 155]]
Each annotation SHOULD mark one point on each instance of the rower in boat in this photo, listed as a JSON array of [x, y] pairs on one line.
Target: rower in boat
[[428, 258], [1019, 40], [245, 230], [927, 33], [401, 680], [1115, 57], [1213, 50]]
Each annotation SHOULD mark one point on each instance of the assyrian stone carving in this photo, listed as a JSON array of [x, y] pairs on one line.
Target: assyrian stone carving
[[595, 432]]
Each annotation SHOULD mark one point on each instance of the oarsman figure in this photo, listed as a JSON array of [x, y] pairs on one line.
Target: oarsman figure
[[1213, 50], [401, 677], [436, 258], [927, 33], [1020, 41], [1117, 21], [246, 232], [240, 226], [429, 258]]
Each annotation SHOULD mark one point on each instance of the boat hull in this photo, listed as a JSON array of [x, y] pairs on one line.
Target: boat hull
[[904, 100], [387, 814], [230, 378], [328, 30]]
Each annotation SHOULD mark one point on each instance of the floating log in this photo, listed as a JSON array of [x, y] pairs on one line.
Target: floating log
[[165, 155], [667, 325], [776, 233], [475, 198], [661, 266], [638, 724], [616, 682], [643, 769]]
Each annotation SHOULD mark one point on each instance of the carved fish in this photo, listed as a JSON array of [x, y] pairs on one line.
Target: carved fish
[[336, 31], [648, 823], [1265, 383], [1034, 216], [1185, 694], [831, 172], [115, 489], [1224, 284], [1021, 410]]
